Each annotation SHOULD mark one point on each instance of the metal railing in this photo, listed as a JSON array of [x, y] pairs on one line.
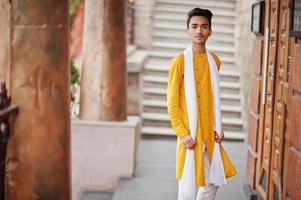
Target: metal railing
[[7, 114]]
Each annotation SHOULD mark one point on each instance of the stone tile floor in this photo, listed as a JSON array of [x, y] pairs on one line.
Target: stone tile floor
[[154, 177]]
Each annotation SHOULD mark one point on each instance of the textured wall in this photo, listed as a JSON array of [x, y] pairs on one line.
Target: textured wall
[[143, 23], [243, 56]]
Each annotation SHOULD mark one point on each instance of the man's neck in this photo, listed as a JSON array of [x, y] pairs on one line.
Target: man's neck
[[198, 48]]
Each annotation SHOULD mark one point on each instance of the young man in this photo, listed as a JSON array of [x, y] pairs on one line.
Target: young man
[[193, 104]]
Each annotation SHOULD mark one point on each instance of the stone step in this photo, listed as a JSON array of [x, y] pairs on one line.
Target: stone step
[[170, 36], [163, 91], [224, 12], [155, 94], [160, 91], [166, 124], [159, 106], [157, 122], [203, 3], [178, 17], [136, 60], [165, 117], [162, 104], [164, 67], [179, 32], [234, 1], [176, 27], [181, 18], [170, 55], [130, 49], [161, 94], [163, 80], [227, 114], [224, 78], [181, 46], [222, 55], [231, 135]]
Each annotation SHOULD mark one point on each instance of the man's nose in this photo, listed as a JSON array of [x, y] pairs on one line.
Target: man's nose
[[199, 30]]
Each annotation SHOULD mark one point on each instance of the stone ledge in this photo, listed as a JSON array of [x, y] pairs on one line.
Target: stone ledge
[[102, 152], [132, 121], [136, 61]]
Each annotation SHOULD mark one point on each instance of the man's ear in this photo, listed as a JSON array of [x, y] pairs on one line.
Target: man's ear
[[210, 32]]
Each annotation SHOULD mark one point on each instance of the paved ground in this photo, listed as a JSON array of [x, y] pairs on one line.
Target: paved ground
[[155, 173]]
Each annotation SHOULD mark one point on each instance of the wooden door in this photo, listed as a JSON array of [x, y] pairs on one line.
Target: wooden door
[[280, 119], [278, 155], [267, 106]]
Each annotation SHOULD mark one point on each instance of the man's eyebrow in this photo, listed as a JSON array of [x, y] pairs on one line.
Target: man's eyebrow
[[200, 24]]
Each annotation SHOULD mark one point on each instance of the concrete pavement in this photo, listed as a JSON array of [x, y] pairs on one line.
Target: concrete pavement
[[155, 173]]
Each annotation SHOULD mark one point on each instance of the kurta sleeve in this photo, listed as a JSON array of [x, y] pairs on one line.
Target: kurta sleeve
[[175, 80]]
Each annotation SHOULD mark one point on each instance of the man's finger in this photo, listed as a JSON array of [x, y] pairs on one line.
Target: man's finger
[[191, 140], [191, 144], [188, 145], [218, 140]]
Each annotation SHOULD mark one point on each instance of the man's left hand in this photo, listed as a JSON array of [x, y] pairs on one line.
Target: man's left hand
[[219, 138]]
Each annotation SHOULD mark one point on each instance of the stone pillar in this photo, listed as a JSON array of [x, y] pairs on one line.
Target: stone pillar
[[4, 41], [104, 82], [39, 148], [103, 134]]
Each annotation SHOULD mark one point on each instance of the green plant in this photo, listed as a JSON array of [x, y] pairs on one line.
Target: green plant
[[74, 84]]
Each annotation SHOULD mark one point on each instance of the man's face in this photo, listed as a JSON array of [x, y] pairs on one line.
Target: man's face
[[199, 29]]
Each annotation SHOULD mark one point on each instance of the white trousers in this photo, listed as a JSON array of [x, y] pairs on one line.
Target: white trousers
[[207, 192]]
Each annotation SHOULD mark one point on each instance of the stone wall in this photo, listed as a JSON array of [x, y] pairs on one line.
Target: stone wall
[[243, 55], [143, 23]]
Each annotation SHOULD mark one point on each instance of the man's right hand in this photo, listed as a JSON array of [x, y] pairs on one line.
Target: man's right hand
[[188, 141]]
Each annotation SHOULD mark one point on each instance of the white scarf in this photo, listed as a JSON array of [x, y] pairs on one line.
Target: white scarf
[[217, 177]]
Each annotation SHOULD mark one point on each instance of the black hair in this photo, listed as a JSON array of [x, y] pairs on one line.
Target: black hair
[[199, 12]]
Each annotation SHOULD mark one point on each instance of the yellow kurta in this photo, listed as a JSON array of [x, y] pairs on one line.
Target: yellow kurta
[[178, 115]]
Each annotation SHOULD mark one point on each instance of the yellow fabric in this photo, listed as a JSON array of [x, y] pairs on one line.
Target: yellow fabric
[[178, 115]]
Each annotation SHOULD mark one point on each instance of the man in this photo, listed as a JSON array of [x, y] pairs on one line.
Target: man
[[193, 104]]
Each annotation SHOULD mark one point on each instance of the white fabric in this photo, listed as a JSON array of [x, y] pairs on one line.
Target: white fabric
[[187, 182], [187, 187], [209, 191]]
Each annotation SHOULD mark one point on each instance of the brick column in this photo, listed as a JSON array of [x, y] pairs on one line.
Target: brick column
[[104, 82], [38, 71]]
